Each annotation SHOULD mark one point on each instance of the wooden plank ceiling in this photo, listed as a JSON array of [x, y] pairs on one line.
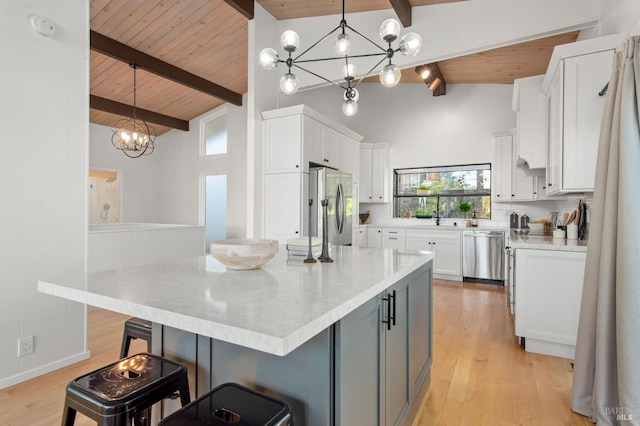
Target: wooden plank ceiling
[[209, 39]]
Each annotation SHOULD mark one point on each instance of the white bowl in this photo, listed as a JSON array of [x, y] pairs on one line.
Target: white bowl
[[244, 253], [536, 228]]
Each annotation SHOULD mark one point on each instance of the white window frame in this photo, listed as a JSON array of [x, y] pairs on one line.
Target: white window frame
[[204, 120]]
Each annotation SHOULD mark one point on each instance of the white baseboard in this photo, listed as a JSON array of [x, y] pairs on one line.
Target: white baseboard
[[28, 375]]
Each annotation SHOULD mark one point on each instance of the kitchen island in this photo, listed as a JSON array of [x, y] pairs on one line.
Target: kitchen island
[[344, 343]]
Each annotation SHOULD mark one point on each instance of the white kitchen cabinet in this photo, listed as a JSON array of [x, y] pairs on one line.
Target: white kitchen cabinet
[[374, 237], [323, 144], [530, 105], [393, 238], [574, 115], [349, 156], [284, 148], [285, 213], [298, 135], [374, 173], [548, 291], [361, 239], [446, 246], [511, 182], [295, 137]]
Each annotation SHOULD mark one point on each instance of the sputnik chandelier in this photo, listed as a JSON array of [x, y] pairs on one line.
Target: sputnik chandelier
[[133, 136], [390, 74]]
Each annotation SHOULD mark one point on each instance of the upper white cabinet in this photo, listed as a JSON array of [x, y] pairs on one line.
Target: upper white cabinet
[[323, 144], [349, 156], [284, 150], [298, 135], [374, 173], [530, 105], [577, 73], [511, 181]]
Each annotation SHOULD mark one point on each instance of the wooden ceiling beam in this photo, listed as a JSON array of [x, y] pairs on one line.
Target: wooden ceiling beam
[[245, 7], [113, 107], [403, 10], [122, 52]]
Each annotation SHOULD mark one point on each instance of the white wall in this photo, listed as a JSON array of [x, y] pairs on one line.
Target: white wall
[[620, 17], [140, 189], [43, 181]]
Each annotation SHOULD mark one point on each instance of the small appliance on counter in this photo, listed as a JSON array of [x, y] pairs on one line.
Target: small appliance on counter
[[513, 220]]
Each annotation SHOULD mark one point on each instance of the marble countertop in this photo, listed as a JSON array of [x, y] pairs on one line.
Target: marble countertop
[[540, 242], [274, 309]]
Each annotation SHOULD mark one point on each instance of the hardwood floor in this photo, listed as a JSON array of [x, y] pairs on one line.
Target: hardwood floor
[[479, 376]]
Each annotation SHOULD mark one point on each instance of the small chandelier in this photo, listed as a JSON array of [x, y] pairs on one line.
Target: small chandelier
[[133, 136], [390, 74]]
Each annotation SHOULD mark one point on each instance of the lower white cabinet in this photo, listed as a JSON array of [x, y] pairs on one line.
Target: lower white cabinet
[[393, 238], [361, 239], [548, 292], [383, 356], [447, 248], [374, 237]]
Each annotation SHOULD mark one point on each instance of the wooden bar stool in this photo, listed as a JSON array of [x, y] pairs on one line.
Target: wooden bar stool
[[135, 328], [122, 392], [231, 403]]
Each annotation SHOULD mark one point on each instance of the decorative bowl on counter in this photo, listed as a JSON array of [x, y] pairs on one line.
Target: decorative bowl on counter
[[244, 253]]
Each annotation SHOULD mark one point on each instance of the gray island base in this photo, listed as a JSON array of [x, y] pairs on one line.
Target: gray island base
[[344, 343]]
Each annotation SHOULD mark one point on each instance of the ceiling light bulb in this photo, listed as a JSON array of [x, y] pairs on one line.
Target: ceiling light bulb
[[349, 71], [410, 44], [350, 107], [343, 44], [268, 58], [390, 30], [390, 75], [425, 73], [290, 40], [289, 83]]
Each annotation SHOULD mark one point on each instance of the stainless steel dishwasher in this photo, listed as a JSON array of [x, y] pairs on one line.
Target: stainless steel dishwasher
[[483, 255]]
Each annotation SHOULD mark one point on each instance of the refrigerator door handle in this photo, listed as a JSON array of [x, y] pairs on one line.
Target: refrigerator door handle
[[339, 209]]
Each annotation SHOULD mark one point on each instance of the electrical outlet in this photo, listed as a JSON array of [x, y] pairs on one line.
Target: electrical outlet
[[25, 346]]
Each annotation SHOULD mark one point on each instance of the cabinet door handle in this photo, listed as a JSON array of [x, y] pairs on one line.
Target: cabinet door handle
[[297, 166], [497, 195], [549, 184], [392, 238], [393, 318], [388, 320]]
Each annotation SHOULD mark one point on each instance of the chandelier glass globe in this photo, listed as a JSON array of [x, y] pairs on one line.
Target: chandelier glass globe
[[349, 71], [289, 83], [390, 75], [350, 107], [410, 44], [268, 58], [390, 30], [290, 40], [343, 44]]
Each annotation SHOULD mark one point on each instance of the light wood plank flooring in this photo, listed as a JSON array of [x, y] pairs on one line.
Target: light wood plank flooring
[[480, 375]]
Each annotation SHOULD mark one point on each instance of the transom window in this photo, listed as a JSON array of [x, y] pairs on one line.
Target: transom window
[[447, 191], [213, 133]]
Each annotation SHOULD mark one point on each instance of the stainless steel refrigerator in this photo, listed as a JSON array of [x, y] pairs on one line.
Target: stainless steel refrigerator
[[335, 186]]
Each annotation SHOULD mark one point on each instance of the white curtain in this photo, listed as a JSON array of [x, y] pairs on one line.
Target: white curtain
[[606, 378]]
